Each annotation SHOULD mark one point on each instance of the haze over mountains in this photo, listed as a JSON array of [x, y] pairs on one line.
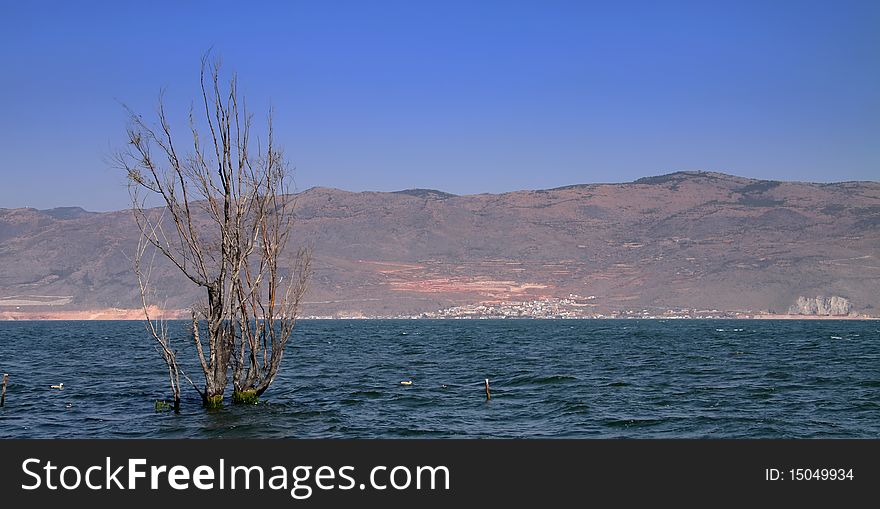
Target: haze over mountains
[[687, 240]]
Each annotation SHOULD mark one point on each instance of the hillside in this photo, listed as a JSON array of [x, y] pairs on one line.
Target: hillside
[[690, 240]]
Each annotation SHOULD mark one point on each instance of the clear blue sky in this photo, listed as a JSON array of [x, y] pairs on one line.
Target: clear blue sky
[[466, 97]]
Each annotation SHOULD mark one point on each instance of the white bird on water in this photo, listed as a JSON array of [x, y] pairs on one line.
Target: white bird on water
[[59, 386]]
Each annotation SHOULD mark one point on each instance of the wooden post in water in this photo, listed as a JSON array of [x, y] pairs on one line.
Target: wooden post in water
[[488, 395], [3, 390]]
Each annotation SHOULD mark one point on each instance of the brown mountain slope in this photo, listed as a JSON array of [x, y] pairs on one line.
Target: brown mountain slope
[[684, 240]]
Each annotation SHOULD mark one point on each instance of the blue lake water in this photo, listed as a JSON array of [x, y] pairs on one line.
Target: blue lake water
[[549, 378]]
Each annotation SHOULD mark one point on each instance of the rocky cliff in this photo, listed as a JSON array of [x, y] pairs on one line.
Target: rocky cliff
[[821, 306]]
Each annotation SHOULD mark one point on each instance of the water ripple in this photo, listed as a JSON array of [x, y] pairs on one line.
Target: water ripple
[[341, 379]]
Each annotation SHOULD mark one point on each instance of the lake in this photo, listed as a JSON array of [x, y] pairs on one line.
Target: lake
[[549, 378]]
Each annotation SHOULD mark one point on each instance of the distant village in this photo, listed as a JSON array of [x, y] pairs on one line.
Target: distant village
[[572, 307]]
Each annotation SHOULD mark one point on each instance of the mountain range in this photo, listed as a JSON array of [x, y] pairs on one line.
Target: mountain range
[[682, 241]]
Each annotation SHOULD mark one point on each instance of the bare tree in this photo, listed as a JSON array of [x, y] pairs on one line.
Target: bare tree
[[156, 324], [225, 224]]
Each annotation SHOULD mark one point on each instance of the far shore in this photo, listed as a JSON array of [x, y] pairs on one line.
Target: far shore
[[94, 314], [812, 317], [158, 314]]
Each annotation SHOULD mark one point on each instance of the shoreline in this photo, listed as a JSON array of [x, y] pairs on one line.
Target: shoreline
[[129, 315]]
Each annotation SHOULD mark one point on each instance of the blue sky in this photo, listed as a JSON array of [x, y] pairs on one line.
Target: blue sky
[[466, 97]]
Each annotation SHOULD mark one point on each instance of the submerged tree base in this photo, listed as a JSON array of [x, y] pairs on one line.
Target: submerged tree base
[[247, 397], [164, 406], [212, 402]]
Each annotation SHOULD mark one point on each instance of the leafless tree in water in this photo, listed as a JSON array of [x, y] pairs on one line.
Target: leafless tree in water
[[156, 325], [225, 224]]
